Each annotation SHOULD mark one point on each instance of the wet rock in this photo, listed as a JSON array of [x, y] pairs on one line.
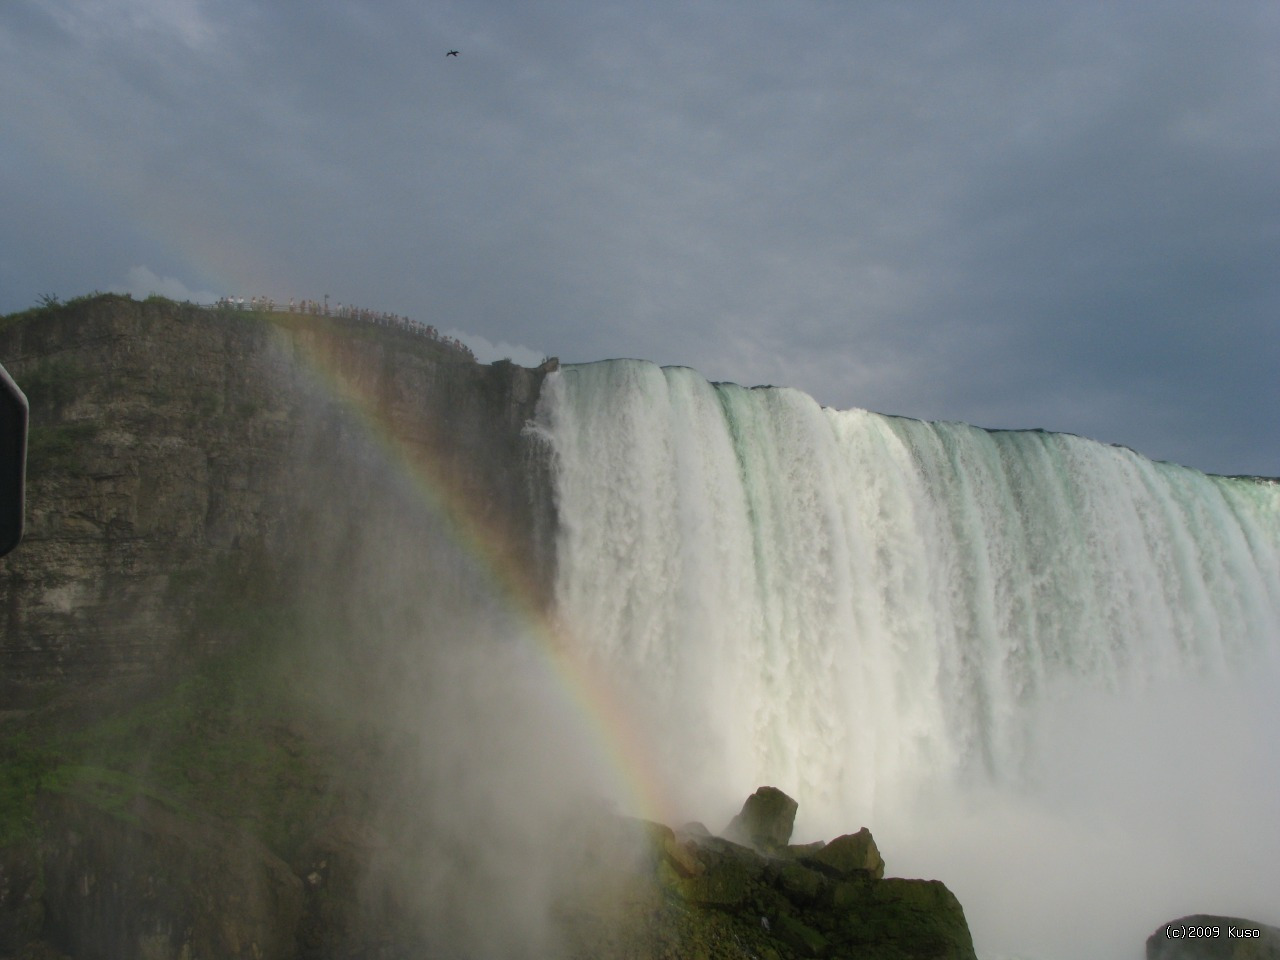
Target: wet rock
[[898, 918], [851, 854], [800, 937], [726, 884], [765, 821]]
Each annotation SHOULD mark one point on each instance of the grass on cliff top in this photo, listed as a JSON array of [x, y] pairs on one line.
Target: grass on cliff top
[[52, 306], [279, 319]]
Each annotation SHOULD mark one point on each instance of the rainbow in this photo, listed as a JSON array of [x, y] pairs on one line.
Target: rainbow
[[622, 748]]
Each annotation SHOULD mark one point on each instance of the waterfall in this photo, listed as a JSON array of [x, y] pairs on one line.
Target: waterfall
[[857, 608]]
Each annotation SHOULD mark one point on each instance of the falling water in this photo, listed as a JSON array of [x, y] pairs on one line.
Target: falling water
[[890, 619]]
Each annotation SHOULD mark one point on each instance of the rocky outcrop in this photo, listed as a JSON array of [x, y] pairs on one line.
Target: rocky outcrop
[[715, 898], [1206, 937], [765, 821], [853, 854], [176, 450]]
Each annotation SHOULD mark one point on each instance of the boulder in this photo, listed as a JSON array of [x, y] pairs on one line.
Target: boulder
[[765, 821], [899, 918], [849, 855], [797, 851], [1206, 937]]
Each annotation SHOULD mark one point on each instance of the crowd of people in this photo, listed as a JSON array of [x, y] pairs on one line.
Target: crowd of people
[[320, 308]]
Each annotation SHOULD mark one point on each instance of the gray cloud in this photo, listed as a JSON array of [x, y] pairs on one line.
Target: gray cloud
[[1016, 215]]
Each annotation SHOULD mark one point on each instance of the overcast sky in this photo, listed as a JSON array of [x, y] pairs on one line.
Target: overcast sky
[[1017, 214]]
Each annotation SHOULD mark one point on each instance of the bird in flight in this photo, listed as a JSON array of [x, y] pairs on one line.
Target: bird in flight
[[452, 53]]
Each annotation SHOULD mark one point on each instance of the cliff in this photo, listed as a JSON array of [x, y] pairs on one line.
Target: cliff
[[241, 529], [173, 445]]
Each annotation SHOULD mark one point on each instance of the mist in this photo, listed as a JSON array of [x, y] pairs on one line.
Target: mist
[[1135, 809], [487, 790]]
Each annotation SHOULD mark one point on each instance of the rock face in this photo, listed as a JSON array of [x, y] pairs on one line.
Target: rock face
[[156, 883], [169, 440], [1206, 937], [765, 821]]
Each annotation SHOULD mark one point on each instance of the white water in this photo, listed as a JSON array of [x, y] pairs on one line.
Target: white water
[[1040, 668]]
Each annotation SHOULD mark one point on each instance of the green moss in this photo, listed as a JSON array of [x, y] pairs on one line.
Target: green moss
[[802, 938], [231, 736], [33, 314], [23, 767], [58, 447], [224, 740], [107, 789]]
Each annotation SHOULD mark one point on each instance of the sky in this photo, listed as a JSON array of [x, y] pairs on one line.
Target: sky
[[1015, 214]]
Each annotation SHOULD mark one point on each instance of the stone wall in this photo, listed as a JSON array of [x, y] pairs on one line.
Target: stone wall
[[172, 445]]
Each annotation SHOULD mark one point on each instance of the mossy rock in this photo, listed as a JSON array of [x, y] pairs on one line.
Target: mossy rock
[[726, 884], [903, 918], [848, 855], [798, 883], [851, 894], [800, 937], [765, 821]]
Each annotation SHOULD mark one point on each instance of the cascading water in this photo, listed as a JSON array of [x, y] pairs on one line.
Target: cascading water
[[888, 618]]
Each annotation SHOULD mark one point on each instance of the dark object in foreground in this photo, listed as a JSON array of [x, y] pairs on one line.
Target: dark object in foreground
[[1205, 937], [13, 461]]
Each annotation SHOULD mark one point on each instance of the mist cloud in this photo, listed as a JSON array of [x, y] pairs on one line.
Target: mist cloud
[[142, 282]]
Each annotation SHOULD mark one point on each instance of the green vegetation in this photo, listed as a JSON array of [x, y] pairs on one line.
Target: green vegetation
[[234, 735], [50, 305], [57, 447], [23, 768], [228, 739]]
